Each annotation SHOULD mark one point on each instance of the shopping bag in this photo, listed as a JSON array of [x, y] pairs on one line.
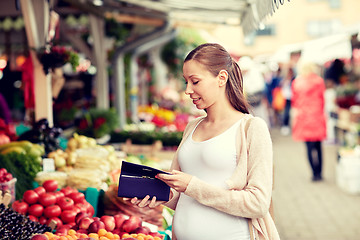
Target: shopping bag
[[138, 180], [278, 99]]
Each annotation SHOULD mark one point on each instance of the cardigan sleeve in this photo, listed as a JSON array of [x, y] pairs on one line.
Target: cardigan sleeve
[[253, 200]]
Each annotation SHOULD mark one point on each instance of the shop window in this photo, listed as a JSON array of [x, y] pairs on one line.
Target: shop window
[[322, 28], [267, 30]]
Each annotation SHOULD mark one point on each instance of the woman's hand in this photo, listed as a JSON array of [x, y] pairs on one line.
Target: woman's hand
[[146, 202], [176, 180]]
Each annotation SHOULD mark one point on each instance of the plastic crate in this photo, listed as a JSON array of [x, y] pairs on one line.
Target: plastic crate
[[9, 186]]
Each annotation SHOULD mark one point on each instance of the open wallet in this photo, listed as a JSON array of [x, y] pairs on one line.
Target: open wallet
[[139, 180]]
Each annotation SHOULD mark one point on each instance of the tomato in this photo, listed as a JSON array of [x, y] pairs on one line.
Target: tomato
[[52, 211], [78, 197], [82, 207], [47, 199], [57, 221], [65, 203], [68, 216], [67, 190], [40, 190], [50, 185], [36, 210], [30, 196], [76, 209], [59, 195], [33, 218], [20, 207], [43, 220]]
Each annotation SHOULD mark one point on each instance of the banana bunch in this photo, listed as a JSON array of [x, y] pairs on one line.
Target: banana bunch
[[24, 147]]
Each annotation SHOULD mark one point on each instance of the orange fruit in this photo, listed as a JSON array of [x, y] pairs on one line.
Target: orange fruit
[[49, 234], [102, 232], [109, 235], [116, 236], [140, 238], [149, 237], [94, 235], [103, 238], [125, 235], [71, 232], [157, 238]]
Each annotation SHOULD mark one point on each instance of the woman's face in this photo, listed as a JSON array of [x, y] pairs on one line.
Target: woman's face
[[202, 87]]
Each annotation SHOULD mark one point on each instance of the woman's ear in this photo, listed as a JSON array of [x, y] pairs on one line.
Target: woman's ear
[[223, 77]]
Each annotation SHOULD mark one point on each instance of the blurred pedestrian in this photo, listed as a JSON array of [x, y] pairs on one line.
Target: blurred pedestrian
[[272, 91], [309, 123], [221, 178], [287, 93], [336, 72]]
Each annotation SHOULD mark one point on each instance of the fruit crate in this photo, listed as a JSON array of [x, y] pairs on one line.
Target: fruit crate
[[9, 186]]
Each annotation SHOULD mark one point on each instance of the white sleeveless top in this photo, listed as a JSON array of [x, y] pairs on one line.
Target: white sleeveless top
[[212, 161]]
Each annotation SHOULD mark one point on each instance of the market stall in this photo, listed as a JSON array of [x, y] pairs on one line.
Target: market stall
[[58, 185]]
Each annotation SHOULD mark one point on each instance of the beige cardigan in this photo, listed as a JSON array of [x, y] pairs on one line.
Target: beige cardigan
[[251, 190]]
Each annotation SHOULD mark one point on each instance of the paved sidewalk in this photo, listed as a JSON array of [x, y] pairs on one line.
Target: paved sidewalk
[[306, 210]]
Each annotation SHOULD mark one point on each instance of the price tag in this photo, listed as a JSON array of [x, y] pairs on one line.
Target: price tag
[[48, 165]]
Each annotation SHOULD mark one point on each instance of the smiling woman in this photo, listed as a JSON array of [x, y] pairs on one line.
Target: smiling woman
[[221, 175]]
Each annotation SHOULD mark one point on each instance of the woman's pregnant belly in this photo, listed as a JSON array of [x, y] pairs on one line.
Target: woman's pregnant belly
[[194, 221]]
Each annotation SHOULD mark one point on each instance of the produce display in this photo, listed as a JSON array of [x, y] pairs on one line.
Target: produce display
[[104, 228], [45, 204], [57, 208], [7, 183], [85, 163], [102, 234], [16, 226], [42, 134], [24, 147], [23, 166]]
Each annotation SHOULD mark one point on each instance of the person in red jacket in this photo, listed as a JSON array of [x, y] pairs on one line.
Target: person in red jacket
[[309, 123]]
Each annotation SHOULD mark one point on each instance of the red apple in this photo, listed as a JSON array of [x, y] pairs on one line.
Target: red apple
[[79, 216], [118, 232], [156, 234], [131, 224], [96, 218], [85, 222], [119, 220], [63, 230], [109, 222], [72, 225], [95, 226], [82, 231], [143, 229]]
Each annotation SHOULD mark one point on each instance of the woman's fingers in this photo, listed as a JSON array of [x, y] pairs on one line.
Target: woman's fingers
[[144, 202], [153, 203]]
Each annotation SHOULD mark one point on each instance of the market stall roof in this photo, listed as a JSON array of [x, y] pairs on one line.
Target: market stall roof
[[245, 13]]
